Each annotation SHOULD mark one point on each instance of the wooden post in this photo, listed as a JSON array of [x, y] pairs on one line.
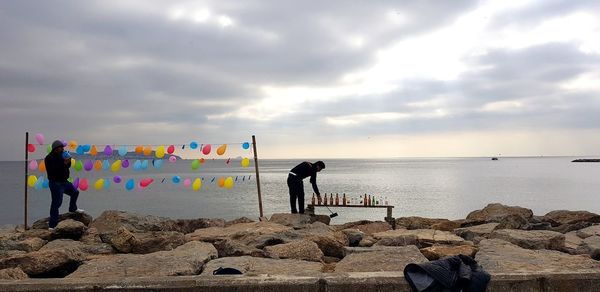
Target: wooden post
[[26, 174], [260, 207]]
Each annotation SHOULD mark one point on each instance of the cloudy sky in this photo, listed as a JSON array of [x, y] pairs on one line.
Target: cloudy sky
[[311, 79]]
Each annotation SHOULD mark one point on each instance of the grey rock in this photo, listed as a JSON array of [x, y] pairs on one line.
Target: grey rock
[[301, 250], [439, 251], [589, 231], [512, 221], [590, 245], [252, 266], [243, 231], [234, 248], [390, 259], [424, 237], [26, 244], [471, 232], [560, 217], [426, 223], [12, 274], [354, 236], [292, 220], [69, 228], [84, 218], [532, 239], [143, 242], [237, 221], [496, 212]]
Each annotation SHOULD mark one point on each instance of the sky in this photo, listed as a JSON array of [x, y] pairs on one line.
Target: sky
[[311, 79]]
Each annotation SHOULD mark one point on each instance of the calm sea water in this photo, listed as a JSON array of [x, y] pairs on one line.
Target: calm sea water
[[436, 187]]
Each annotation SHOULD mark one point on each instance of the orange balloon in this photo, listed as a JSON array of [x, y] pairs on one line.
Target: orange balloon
[[148, 150], [139, 149], [93, 150], [42, 166], [98, 165], [221, 182]]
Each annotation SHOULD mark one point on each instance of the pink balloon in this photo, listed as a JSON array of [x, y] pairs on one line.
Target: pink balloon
[[83, 184], [187, 182], [172, 159], [171, 149], [33, 165], [206, 149], [30, 147], [145, 182], [39, 138]]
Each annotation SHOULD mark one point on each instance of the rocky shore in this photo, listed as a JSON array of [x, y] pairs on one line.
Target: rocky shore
[[118, 244]]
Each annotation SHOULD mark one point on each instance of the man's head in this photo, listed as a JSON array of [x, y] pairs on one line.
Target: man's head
[[319, 165], [58, 146]]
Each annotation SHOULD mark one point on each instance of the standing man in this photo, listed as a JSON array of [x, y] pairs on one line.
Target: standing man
[[57, 167], [294, 182]]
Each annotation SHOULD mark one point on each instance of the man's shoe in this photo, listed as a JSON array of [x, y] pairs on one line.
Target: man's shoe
[[80, 211], [51, 229]]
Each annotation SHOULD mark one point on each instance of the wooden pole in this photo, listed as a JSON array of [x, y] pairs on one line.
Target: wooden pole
[[26, 174], [260, 207]]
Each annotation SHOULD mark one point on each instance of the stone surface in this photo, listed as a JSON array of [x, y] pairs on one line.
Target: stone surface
[[188, 259], [499, 256], [366, 226], [424, 237], [96, 248], [426, 223], [471, 232], [439, 251], [390, 259], [512, 221], [590, 245], [231, 248], [190, 225], [12, 274], [301, 250], [328, 245], [44, 263], [354, 236], [143, 242], [84, 218], [564, 228], [292, 220], [367, 241], [256, 266], [26, 244], [496, 212], [44, 234], [237, 221], [532, 239], [69, 228], [572, 242], [560, 217], [243, 230], [320, 218], [589, 231]]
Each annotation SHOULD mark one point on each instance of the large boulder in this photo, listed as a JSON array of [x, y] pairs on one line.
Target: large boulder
[[190, 225], [496, 212], [590, 245], [78, 246], [328, 245], [234, 248], [292, 220], [44, 234], [301, 250], [564, 228], [424, 237], [188, 259], [366, 226], [439, 251], [84, 218], [472, 232], [354, 236], [512, 221], [426, 223], [25, 244], [252, 266], [380, 260], [12, 274], [560, 217], [237, 231], [320, 218], [499, 256], [143, 242], [589, 231], [532, 239], [45, 263], [572, 243], [236, 221], [69, 228]]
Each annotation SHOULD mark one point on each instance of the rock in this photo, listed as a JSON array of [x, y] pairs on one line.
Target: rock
[[84, 218], [187, 259], [512, 221], [499, 256], [320, 218], [123, 240], [390, 259], [483, 230], [237, 231], [9, 253], [69, 228], [331, 260], [560, 217], [190, 225], [79, 247], [292, 220], [45, 263], [537, 226], [91, 235], [590, 245], [354, 236], [238, 221], [424, 237], [572, 242], [564, 228], [26, 244], [398, 241], [301, 250], [426, 223], [44, 234], [496, 212], [589, 231], [252, 266], [368, 227], [261, 241], [12, 274], [328, 245], [367, 241], [234, 248], [439, 251], [144, 242], [532, 239]]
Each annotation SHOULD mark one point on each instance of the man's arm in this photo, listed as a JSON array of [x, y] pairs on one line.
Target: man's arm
[[313, 181]]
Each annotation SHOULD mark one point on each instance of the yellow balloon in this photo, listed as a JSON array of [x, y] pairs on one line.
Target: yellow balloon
[[99, 184], [73, 161], [197, 184], [72, 144], [160, 152], [221, 150], [148, 150], [116, 166], [31, 180], [245, 162], [228, 182]]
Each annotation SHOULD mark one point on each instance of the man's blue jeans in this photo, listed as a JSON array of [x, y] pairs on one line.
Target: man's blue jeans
[[57, 189]]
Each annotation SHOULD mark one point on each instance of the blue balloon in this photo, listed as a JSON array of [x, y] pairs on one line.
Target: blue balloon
[[157, 163], [246, 145], [122, 150], [105, 164], [137, 165], [176, 179], [194, 145], [45, 184], [145, 164], [106, 183], [130, 184], [86, 148], [79, 150], [66, 154]]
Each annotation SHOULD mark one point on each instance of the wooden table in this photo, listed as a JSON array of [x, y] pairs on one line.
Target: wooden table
[[389, 218]]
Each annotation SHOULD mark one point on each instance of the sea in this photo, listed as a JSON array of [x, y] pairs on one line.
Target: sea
[[427, 187]]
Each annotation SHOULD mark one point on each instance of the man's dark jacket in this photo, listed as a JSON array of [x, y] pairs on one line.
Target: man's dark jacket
[[457, 273], [56, 168]]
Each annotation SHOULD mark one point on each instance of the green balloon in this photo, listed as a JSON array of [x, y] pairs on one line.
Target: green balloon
[[70, 179], [78, 165], [195, 164], [49, 148]]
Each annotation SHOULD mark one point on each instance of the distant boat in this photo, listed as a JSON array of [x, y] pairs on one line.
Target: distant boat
[[494, 158], [586, 160]]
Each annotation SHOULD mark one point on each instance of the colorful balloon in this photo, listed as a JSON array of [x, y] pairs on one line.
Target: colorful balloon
[[42, 166], [145, 164], [139, 149], [187, 182], [39, 138], [221, 182], [206, 149], [39, 183], [171, 149], [93, 150], [106, 185], [176, 179], [160, 152], [147, 150], [158, 163], [31, 180], [117, 179], [196, 185], [193, 144], [30, 147], [79, 150], [195, 164], [78, 165], [45, 183], [137, 165], [48, 149], [172, 159], [122, 150], [228, 182], [125, 163], [99, 184], [86, 148], [88, 165], [33, 165], [98, 165], [245, 162], [221, 150], [116, 166], [246, 145], [130, 184], [146, 182], [83, 184], [72, 144], [108, 150], [76, 183], [105, 164], [73, 161]]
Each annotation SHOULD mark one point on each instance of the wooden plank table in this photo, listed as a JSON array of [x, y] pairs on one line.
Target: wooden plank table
[[310, 208]]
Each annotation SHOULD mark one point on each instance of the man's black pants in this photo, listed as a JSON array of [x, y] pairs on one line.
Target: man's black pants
[[296, 193]]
